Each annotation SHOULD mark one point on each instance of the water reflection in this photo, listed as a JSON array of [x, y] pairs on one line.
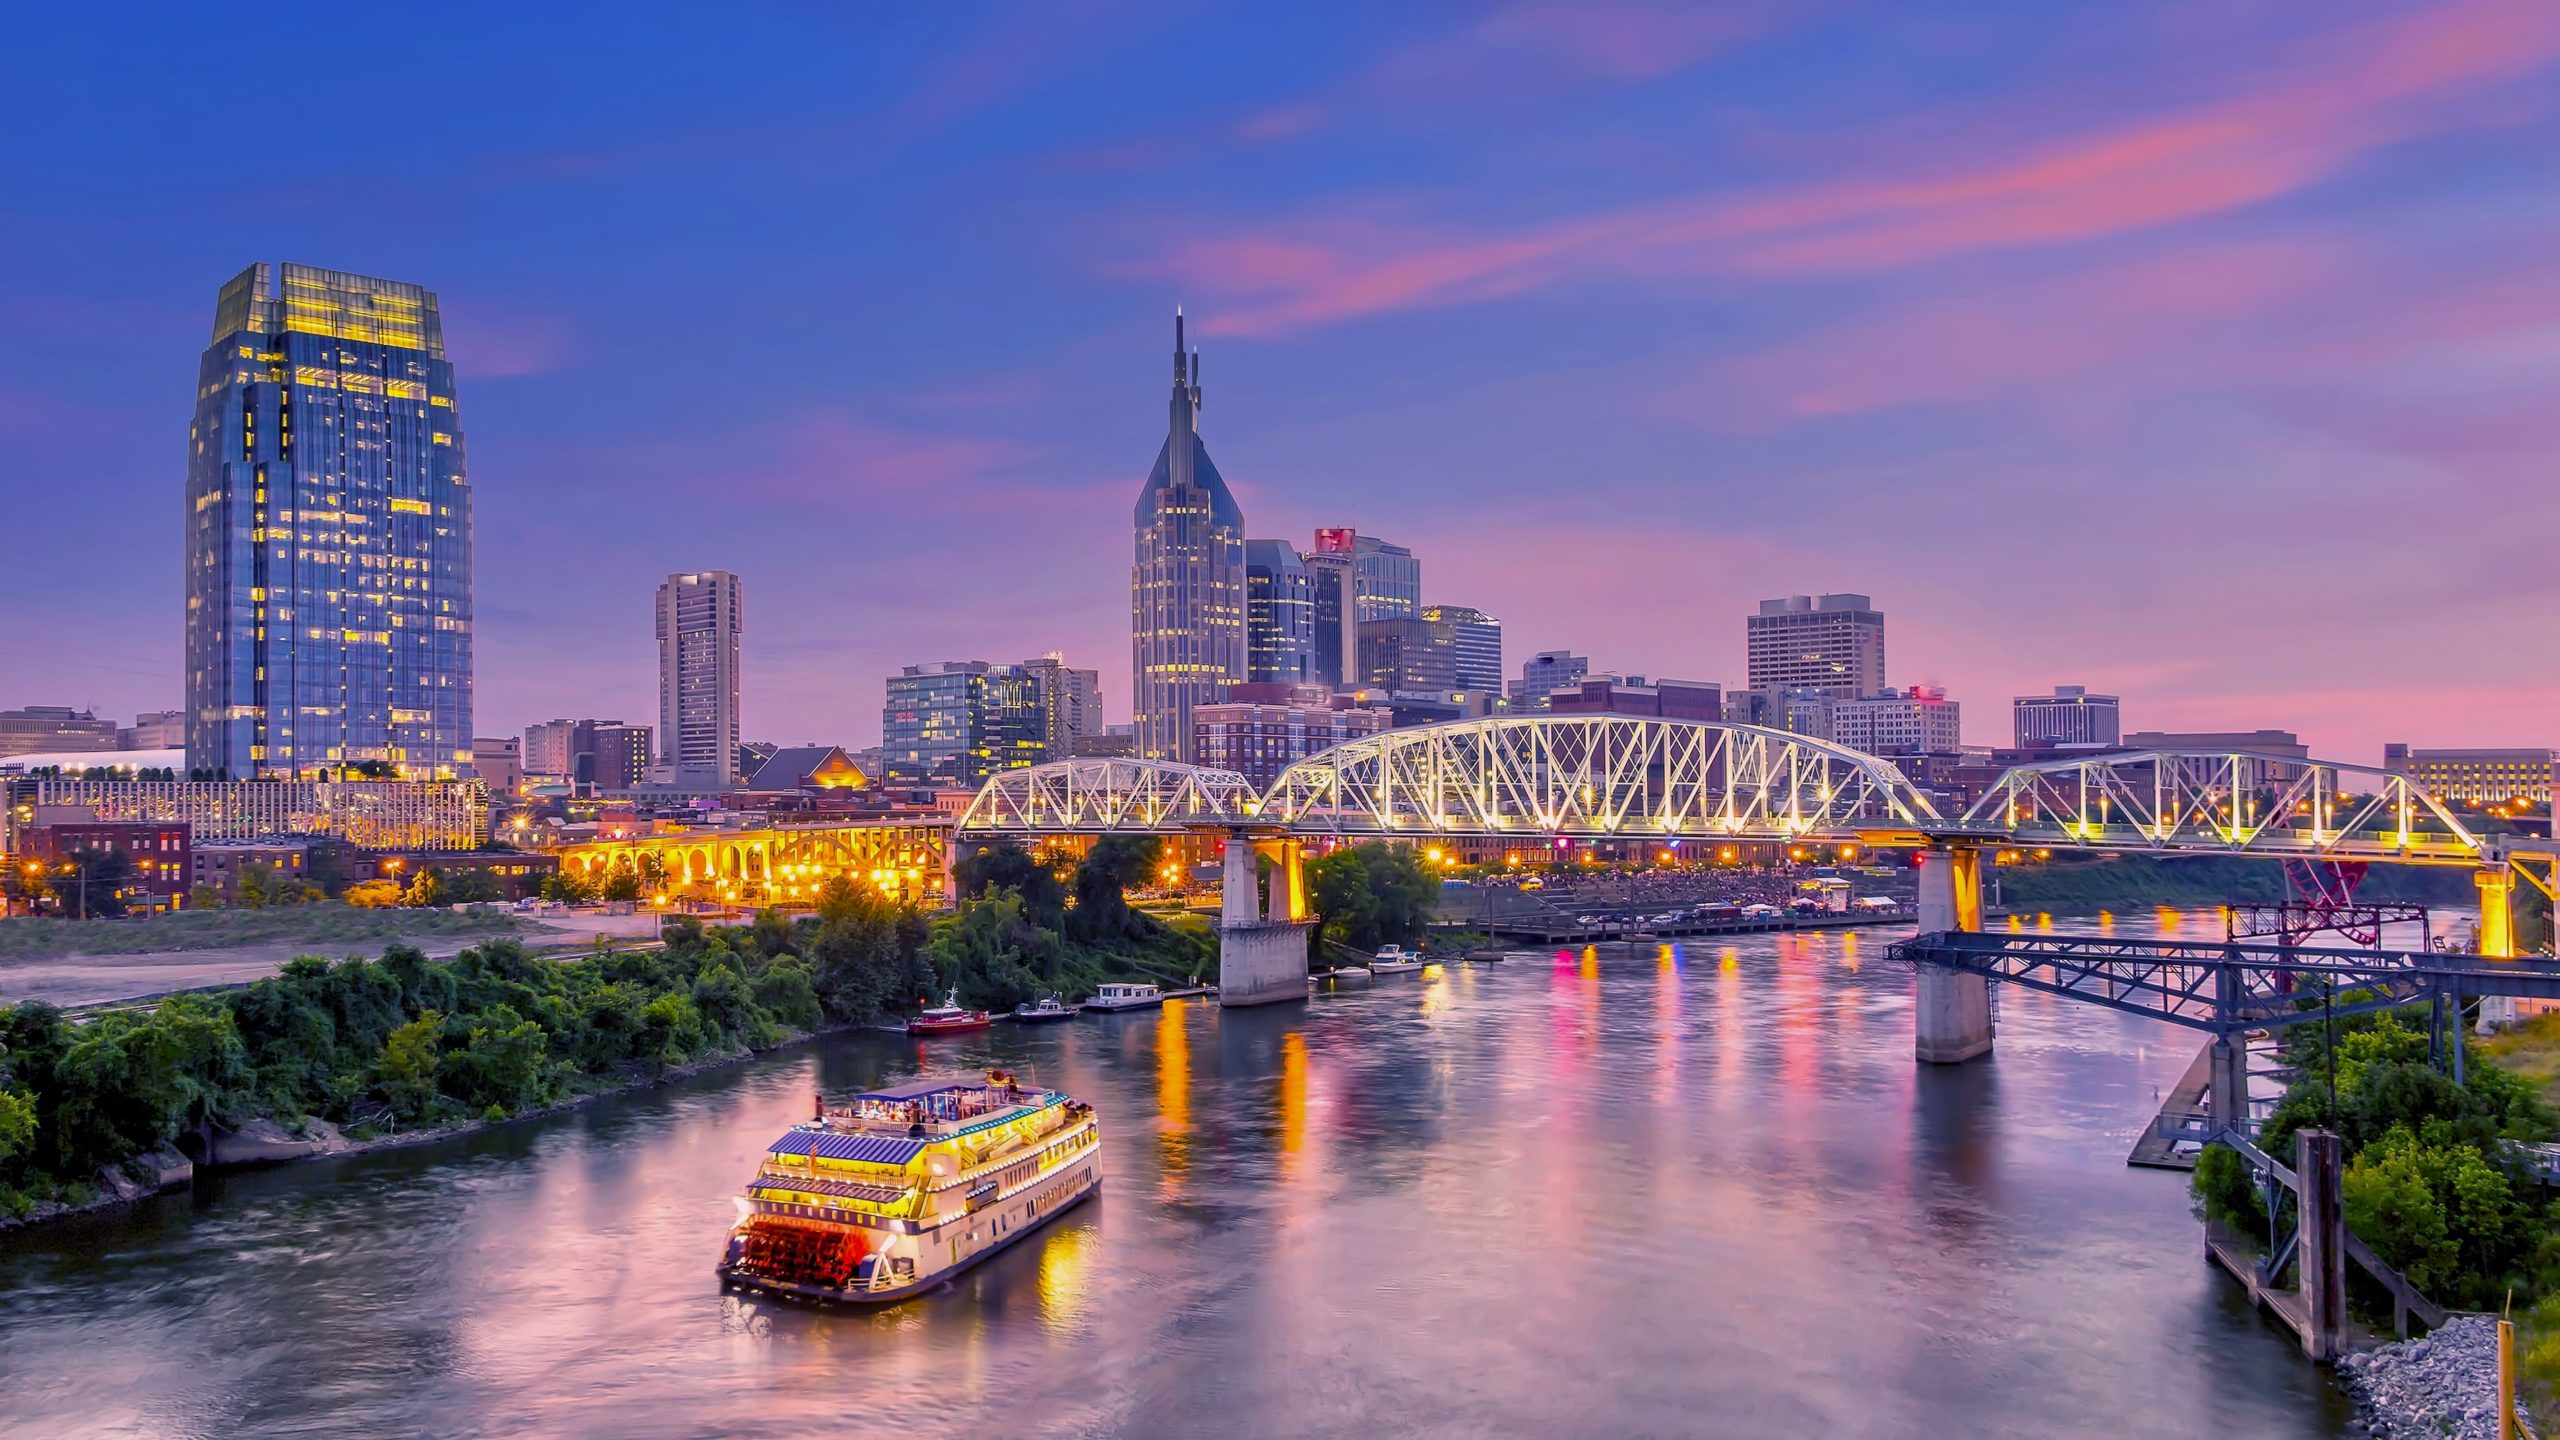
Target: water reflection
[[1619, 1194]]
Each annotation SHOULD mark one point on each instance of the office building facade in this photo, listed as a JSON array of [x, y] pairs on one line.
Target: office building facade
[[328, 534], [1634, 695], [2068, 716], [2478, 776], [1333, 582], [701, 618], [1070, 703], [1187, 587], [1407, 654], [54, 730], [1280, 615], [1261, 729], [154, 730], [1919, 720], [1544, 673], [956, 722], [1475, 638], [1830, 643]]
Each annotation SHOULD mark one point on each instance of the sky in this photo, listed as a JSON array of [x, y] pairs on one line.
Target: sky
[[2203, 352]]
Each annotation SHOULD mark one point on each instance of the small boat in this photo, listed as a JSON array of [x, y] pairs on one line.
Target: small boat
[[948, 1018], [903, 1188], [1394, 960], [1122, 996], [1043, 1011], [1344, 972]]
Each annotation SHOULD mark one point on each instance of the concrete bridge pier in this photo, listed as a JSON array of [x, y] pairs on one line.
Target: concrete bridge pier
[[2496, 884], [1952, 1019], [1262, 947]]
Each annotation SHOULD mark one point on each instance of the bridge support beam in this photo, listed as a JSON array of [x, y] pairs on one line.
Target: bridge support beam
[[2496, 884], [1952, 1019], [1262, 951]]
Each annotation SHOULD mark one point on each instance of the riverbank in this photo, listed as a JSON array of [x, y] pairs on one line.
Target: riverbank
[[2442, 1385], [272, 1143]]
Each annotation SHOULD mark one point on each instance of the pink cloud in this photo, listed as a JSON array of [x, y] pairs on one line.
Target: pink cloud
[[499, 344], [2327, 107]]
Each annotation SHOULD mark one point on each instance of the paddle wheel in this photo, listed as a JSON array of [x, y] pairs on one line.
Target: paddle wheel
[[801, 1253], [2320, 899]]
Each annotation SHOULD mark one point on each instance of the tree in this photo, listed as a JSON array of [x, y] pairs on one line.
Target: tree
[[1009, 867], [425, 889], [405, 1075], [203, 897], [1370, 895], [90, 883], [17, 1125], [249, 891], [868, 953], [621, 887], [373, 895], [1115, 863]]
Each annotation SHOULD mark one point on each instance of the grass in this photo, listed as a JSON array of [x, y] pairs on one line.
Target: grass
[[2531, 1050], [328, 922]]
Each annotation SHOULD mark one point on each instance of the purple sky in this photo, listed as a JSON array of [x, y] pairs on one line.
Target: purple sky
[[2204, 352]]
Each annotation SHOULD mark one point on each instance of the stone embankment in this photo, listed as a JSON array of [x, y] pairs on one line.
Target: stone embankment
[[2445, 1384]]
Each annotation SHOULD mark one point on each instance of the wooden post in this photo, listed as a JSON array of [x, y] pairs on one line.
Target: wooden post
[[2506, 1379], [2323, 1250]]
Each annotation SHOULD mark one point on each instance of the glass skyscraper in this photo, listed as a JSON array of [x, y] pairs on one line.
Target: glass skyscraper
[[1280, 614], [1187, 589], [328, 529], [956, 722]]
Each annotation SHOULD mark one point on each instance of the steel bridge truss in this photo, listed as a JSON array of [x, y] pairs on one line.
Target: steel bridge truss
[[2231, 801], [1597, 776], [2228, 990], [1107, 796]]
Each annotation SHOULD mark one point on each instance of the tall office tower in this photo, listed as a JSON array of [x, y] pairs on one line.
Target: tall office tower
[[955, 722], [1333, 587], [1187, 590], [1390, 580], [699, 620], [1834, 644], [1407, 655], [2068, 716], [1070, 702], [1279, 614], [1542, 675], [328, 527], [1477, 639]]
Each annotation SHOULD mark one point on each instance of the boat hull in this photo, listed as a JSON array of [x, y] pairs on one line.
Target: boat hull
[[824, 1295], [949, 1027], [1097, 1007], [1042, 1017]]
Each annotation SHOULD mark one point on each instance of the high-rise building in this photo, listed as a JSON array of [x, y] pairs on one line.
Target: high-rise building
[[1477, 640], [328, 533], [1407, 653], [1280, 614], [1797, 709], [1834, 644], [700, 618], [1333, 581], [1070, 703], [1187, 589], [54, 730], [956, 722], [1920, 720], [2068, 716], [1544, 673], [591, 756], [1261, 730], [1390, 580]]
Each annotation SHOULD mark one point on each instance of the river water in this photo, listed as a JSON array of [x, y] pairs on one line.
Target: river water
[[1692, 1190]]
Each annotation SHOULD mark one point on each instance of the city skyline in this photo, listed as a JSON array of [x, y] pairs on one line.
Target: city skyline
[[1936, 351]]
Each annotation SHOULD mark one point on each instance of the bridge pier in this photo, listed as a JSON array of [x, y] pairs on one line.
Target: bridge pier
[[1262, 949], [2496, 884], [1952, 1018]]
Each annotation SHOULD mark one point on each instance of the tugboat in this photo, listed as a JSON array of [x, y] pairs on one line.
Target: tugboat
[[1394, 960], [1044, 1011], [906, 1187], [948, 1018]]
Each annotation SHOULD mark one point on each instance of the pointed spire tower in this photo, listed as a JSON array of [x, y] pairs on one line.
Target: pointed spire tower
[[1187, 589]]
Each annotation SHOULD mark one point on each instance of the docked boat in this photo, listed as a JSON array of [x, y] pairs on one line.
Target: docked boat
[[906, 1187], [1122, 996], [1394, 960], [948, 1018], [1044, 1011]]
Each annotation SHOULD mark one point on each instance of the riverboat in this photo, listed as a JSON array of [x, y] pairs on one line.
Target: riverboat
[[948, 1018], [1121, 996], [1394, 960], [905, 1188], [1044, 1011]]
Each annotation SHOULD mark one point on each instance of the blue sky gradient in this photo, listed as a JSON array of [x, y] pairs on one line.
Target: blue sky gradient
[[2204, 352]]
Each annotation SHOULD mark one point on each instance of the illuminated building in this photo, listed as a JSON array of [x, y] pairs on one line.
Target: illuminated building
[[2068, 716], [1263, 729], [368, 814], [54, 729], [2485, 777], [1407, 653], [157, 870], [1544, 673], [1475, 639], [328, 534], [1796, 709], [590, 756], [1070, 703], [154, 730], [700, 617], [1386, 579], [1187, 588], [1633, 695], [1280, 614], [1333, 586], [499, 763], [1834, 644], [955, 722], [1920, 720]]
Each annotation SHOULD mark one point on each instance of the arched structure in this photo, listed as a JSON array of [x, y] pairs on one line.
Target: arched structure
[[1103, 797], [1595, 776], [2230, 801]]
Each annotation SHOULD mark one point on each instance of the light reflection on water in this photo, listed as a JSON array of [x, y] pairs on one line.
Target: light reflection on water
[[1615, 1193]]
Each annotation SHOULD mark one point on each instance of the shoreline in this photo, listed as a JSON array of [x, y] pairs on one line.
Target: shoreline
[[120, 1198]]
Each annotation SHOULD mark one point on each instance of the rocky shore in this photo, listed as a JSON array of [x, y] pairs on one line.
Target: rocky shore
[[2442, 1385]]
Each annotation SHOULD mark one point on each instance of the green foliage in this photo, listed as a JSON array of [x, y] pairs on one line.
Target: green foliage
[[1371, 895], [86, 884], [328, 924], [868, 952], [17, 1125], [1101, 915], [404, 1075], [2225, 1191], [2437, 1209]]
